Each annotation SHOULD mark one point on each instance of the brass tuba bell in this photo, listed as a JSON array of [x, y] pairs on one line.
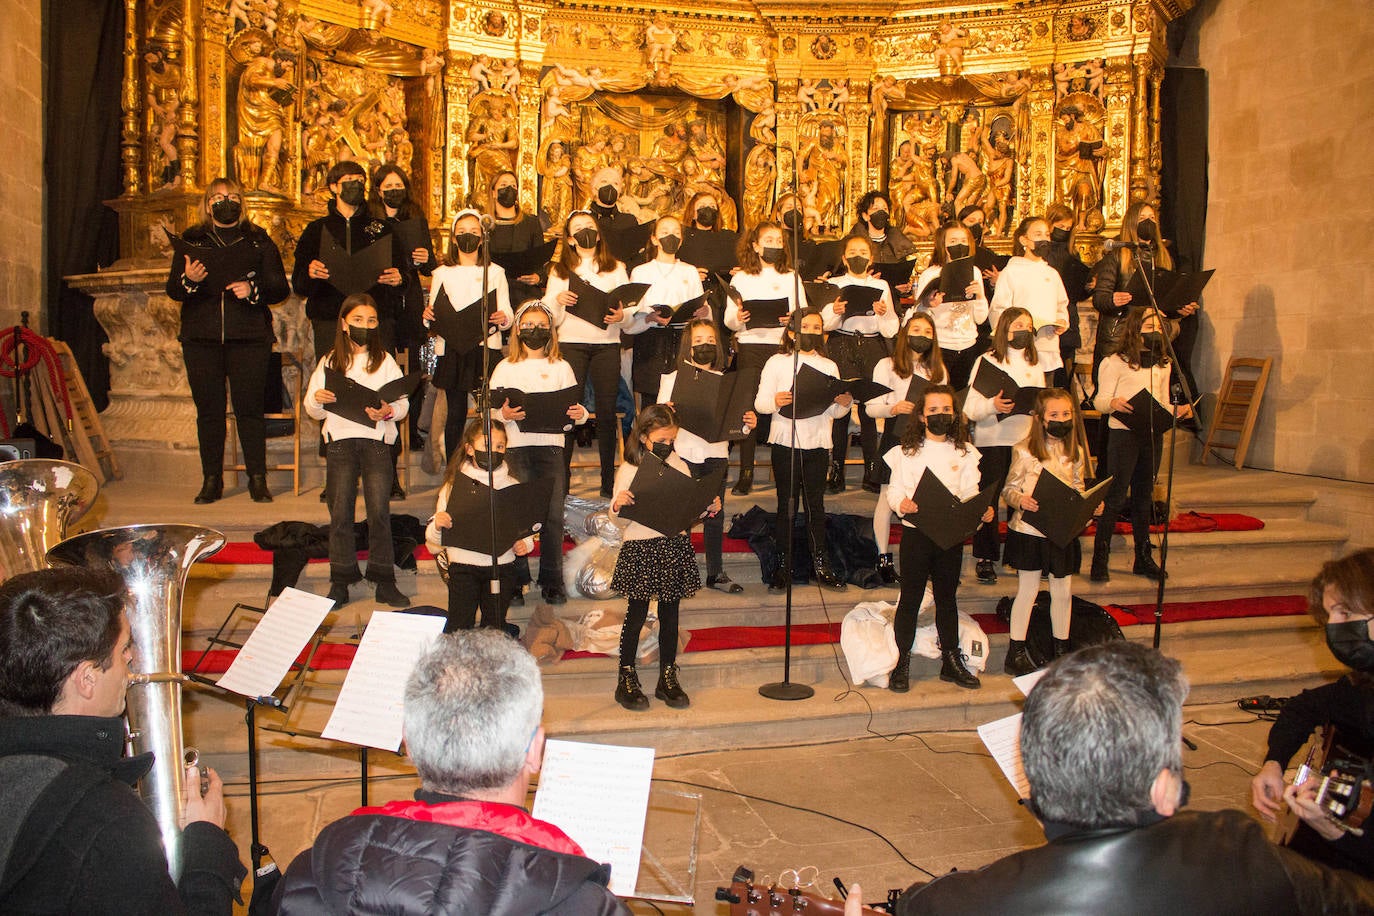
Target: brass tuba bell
[[39, 499]]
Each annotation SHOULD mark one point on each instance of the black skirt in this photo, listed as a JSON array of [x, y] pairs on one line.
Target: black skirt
[[663, 568], [854, 355], [653, 354], [1028, 552], [881, 474]]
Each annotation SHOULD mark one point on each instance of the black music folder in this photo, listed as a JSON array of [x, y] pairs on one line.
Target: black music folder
[[815, 392], [520, 512], [667, 500], [895, 273], [820, 293], [859, 300], [714, 251], [464, 329], [1185, 288], [593, 304], [545, 411], [1147, 416], [955, 276], [1063, 512], [628, 242], [943, 517], [712, 404], [764, 313], [226, 265], [359, 271], [821, 258], [412, 234], [990, 380], [914, 392], [525, 262], [680, 314], [352, 398]]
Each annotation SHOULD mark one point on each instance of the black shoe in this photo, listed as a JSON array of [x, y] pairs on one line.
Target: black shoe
[[745, 483], [390, 595], [669, 690], [257, 488], [211, 490], [338, 593], [899, 681], [870, 485], [606, 493], [554, 594], [954, 670], [778, 583], [1062, 647], [886, 569], [834, 483], [987, 572], [1018, 661], [1146, 566], [1100, 572], [397, 491], [723, 583], [518, 599], [825, 576], [628, 692]]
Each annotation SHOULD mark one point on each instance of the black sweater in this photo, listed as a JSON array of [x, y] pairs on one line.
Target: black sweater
[[322, 300], [209, 315]]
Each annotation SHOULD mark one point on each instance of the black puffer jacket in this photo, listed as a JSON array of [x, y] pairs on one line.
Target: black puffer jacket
[[213, 316]]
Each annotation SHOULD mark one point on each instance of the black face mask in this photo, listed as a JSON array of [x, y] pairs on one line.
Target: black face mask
[[363, 337], [976, 230], [919, 345], [467, 242], [940, 424], [956, 251], [878, 219], [226, 212], [1153, 341], [792, 220], [586, 238], [1041, 249], [352, 193], [706, 216], [807, 341], [857, 264], [395, 198], [771, 255], [607, 195], [1021, 339], [1059, 235], [506, 196], [488, 461], [535, 338], [1060, 429], [661, 450], [669, 244], [704, 354], [1351, 645], [1146, 230]]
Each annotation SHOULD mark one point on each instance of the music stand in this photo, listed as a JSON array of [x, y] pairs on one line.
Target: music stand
[[669, 809]]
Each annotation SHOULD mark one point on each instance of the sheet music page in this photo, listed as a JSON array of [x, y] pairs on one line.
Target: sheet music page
[[1025, 682], [275, 643], [372, 699], [1003, 740], [598, 794]]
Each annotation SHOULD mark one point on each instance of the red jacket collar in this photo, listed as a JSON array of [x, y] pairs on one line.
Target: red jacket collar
[[494, 817]]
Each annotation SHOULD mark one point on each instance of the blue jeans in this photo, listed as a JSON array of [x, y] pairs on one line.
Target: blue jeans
[[532, 462], [345, 461]]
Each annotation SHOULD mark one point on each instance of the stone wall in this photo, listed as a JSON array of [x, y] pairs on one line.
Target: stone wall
[[21, 178], [1290, 225]]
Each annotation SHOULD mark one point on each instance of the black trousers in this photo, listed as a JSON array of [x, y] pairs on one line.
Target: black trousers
[[635, 615], [347, 461], [469, 588], [1134, 461], [535, 462], [812, 464], [713, 526], [993, 468], [245, 366], [599, 363], [959, 364], [753, 356], [921, 561]]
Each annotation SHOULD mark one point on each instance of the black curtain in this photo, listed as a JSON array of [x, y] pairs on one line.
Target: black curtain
[[83, 62], [1183, 176]]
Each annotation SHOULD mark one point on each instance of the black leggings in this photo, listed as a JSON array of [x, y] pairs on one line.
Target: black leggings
[[713, 526], [1134, 461], [601, 364], [812, 465], [922, 560], [635, 614], [245, 366], [753, 356], [993, 468]]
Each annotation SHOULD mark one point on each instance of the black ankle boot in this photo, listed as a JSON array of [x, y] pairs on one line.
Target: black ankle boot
[[669, 690], [1145, 564], [953, 670], [628, 692], [886, 569], [1101, 554], [826, 576], [1062, 647], [834, 483], [870, 485], [745, 483], [210, 490], [1018, 661], [899, 681], [777, 583], [986, 571], [257, 488]]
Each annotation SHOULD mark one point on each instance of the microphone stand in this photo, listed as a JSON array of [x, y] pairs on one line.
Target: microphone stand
[[1145, 253], [786, 689], [494, 585]]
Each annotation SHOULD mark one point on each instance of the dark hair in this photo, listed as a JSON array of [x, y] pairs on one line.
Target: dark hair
[[341, 357], [339, 170], [689, 214], [451, 252], [940, 253], [651, 249], [904, 361], [749, 260], [651, 418], [789, 333], [970, 210], [52, 620], [915, 435], [407, 210], [1075, 447], [1097, 730], [684, 350], [1021, 229], [1130, 343], [1352, 576], [569, 260], [471, 433], [867, 201], [1001, 344]]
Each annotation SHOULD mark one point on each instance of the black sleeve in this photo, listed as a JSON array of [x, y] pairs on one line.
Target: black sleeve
[[1108, 275], [125, 871], [271, 279], [307, 250], [175, 290], [1322, 890], [211, 873], [427, 268], [1343, 704]]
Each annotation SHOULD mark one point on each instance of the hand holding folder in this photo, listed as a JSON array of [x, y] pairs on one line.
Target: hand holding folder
[[992, 382], [520, 510], [351, 399], [815, 391], [667, 500], [1062, 512], [595, 305], [357, 271], [712, 405], [943, 517]]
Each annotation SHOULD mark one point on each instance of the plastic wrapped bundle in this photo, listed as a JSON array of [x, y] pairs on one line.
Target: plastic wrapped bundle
[[585, 518], [594, 577]]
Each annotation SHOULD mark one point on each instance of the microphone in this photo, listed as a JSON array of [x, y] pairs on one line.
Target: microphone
[[487, 221], [1114, 244]]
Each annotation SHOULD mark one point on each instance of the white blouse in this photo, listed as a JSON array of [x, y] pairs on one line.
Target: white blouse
[[766, 284]]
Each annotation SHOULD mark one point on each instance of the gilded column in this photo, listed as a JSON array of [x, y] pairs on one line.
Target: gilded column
[[188, 114], [788, 110], [456, 155], [129, 153], [1116, 182], [1156, 148], [858, 116], [1140, 132], [528, 100], [1036, 167]]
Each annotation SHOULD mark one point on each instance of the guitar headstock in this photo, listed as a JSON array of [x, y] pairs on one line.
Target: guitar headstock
[[748, 899]]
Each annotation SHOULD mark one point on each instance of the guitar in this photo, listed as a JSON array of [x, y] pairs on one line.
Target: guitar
[[747, 899], [1346, 791]]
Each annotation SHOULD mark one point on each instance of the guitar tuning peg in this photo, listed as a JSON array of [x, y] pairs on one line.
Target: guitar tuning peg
[[725, 895]]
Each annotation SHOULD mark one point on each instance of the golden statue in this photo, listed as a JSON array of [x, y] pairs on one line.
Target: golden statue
[[164, 102], [821, 175], [556, 195], [590, 158], [492, 144], [1078, 164], [264, 116]]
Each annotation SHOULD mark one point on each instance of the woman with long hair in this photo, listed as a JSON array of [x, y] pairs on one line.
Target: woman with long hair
[[957, 321]]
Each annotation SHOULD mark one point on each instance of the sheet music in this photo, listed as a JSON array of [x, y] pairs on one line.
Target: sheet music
[[1003, 740], [1025, 682], [598, 794], [275, 643], [372, 699]]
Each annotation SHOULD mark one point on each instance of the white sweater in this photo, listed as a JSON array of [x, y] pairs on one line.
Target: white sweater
[[572, 329], [885, 324], [812, 432], [1025, 473], [335, 426], [766, 284], [669, 284], [956, 323], [462, 284], [532, 374], [957, 470], [1116, 379], [1036, 287], [502, 478], [987, 429]]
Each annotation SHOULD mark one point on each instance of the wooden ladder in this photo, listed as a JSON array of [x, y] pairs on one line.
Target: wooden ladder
[[92, 446], [1238, 405]]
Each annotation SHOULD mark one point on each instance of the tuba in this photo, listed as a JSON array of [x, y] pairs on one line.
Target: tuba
[[153, 561], [39, 498]]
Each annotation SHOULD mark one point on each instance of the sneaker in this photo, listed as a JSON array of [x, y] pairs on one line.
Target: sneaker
[[987, 572]]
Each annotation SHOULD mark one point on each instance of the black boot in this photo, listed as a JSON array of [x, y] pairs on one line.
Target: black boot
[[1145, 564], [1062, 647], [899, 681], [745, 483], [669, 690], [257, 488], [987, 572], [338, 593], [1018, 660], [870, 485], [628, 692], [954, 670], [886, 569], [826, 576], [390, 595], [777, 584], [834, 483], [1101, 554], [211, 489]]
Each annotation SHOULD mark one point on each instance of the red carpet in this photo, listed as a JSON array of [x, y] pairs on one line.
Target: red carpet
[[1183, 611], [331, 657]]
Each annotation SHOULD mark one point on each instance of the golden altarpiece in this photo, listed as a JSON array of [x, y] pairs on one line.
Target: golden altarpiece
[[1007, 105]]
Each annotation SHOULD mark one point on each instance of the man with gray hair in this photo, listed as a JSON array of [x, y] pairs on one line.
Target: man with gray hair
[[1101, 745], [466, 843]]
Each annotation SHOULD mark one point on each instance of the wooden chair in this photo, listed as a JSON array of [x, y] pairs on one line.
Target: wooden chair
[[288, 361], [1238, 405]]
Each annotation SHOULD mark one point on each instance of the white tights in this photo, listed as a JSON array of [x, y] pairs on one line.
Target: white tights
[[882, 522], [1061, 603]]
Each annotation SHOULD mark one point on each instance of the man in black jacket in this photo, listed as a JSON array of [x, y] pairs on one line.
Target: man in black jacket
[[465, 844], [74, 838], [1101, 746]]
